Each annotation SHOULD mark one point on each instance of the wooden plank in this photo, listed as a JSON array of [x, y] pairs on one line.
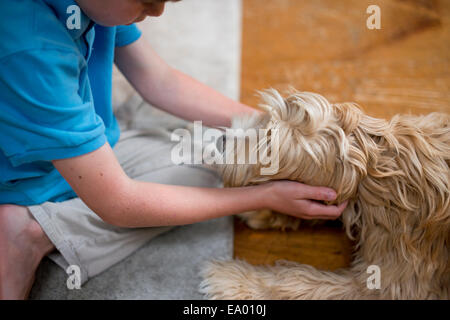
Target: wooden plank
[[324, 46]]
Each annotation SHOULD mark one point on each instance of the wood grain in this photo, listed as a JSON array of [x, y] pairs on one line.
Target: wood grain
[[324, 46]]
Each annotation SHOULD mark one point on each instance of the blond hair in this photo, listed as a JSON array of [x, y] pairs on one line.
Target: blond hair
[[395, 174]]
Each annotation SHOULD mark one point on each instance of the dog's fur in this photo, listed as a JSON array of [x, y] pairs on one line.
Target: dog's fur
[[394, 173]]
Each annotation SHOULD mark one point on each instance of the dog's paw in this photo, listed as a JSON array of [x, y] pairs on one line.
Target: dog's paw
[[232, 280], [267, 219]]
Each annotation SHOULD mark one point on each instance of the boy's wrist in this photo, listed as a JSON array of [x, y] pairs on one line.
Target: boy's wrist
[[264, 196]]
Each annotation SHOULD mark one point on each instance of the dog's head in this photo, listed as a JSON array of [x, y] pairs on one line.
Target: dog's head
[[381, 166], [317, 143]]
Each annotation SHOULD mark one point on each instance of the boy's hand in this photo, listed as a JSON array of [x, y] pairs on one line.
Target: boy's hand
[[296, 199]]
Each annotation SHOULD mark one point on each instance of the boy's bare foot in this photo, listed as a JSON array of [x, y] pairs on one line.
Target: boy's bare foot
[[23, 244]]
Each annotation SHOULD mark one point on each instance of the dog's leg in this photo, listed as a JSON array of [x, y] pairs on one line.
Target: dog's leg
[[285, 280], [267, 219]]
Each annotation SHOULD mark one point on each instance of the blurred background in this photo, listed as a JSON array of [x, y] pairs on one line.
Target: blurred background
[[325, 46]]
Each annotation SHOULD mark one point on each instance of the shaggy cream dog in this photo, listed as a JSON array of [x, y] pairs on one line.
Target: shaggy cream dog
[[394, 173]]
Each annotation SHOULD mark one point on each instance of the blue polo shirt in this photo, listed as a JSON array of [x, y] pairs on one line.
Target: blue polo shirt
[[55, 95]]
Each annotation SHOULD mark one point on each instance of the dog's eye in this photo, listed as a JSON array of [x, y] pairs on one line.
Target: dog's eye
[[221, 143]]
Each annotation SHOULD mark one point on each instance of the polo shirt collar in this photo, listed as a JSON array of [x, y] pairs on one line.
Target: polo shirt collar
[[60, 8]]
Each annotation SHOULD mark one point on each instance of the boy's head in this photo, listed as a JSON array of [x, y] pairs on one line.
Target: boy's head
[[119, 12]]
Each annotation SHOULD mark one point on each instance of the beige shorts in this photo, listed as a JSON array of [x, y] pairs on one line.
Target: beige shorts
[[81, 238]]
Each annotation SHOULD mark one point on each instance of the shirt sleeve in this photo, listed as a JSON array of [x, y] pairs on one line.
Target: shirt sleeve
[[126, 35], [43, 116]]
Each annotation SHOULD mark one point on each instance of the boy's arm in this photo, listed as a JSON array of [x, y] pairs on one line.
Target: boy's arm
[[101, 183], [172, 90]]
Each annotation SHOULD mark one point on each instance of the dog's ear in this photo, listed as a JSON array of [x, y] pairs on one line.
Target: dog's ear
[[306, 112], [348, 116]]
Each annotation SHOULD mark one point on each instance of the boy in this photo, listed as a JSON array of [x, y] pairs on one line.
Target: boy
[[67, 182]]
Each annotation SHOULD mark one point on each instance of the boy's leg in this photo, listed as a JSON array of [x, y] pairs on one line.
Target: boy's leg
[[83, 239]]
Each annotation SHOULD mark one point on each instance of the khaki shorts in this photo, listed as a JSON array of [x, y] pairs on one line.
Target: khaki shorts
[[81, 238]]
